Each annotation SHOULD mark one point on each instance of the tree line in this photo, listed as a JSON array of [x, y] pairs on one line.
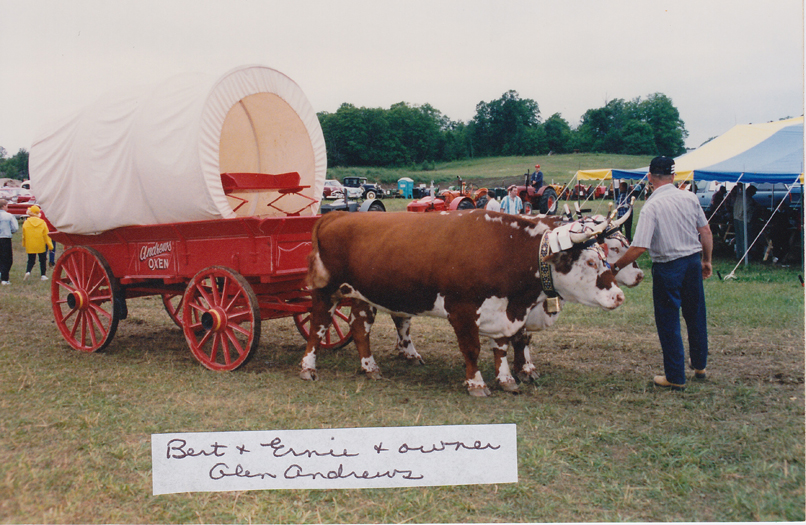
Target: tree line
[[15, 167], [406, 135], [409, 135]]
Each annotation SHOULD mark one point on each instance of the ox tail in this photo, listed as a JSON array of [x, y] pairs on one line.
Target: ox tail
[[318, 276]]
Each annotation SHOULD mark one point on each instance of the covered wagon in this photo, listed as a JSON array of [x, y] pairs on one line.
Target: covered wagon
[[203, 190]]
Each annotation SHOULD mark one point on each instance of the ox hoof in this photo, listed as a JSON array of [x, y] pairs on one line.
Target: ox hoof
[[411, 359], [527, 377], [308, 375], [375, 375], [510, 386], [476, 391]]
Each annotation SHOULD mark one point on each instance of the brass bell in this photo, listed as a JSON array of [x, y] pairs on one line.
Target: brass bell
[[552, 305]]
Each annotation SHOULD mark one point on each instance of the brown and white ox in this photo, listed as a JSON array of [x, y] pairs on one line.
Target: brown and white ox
[[479, 269], [614, 244]]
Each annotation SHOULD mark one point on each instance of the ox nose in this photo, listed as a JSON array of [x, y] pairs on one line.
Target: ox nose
[[618, 299]]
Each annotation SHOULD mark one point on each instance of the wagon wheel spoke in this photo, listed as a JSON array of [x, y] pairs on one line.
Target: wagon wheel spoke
[[214, 350], [336, 336], [341, 315], [173, 304], [98, 310], [336, 328], [90, 326]]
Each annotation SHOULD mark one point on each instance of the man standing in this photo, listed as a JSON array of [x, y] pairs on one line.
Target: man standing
[[8, 226], [669, 226], [512, 203]]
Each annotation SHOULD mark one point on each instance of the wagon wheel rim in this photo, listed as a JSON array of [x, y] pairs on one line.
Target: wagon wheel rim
[[83, 292], [221, 319], [338, 334], [173, 303]]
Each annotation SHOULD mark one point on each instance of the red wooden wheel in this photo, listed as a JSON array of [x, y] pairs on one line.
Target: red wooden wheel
[[83, 293], [338, 335], [221, 318], [173, 301]]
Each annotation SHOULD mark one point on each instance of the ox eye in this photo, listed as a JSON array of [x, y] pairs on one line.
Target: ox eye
[[591, 263], [616, 250]]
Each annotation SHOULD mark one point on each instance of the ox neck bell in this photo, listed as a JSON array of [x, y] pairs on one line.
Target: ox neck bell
[[544, 268]]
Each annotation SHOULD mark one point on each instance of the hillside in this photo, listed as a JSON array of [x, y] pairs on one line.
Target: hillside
[[495, 171]]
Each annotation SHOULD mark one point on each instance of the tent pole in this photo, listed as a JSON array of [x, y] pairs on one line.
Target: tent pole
[[744, 226]]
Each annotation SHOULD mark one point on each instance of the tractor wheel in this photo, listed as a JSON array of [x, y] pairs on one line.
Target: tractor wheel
[[548, 202], [527, 208], [84, 296], [221, 318], [466, 204]]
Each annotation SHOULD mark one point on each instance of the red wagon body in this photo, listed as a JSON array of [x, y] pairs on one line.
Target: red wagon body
[[218, 279]]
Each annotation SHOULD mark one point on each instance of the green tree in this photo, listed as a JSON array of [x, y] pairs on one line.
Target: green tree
[[668, 130], [652, 126], [417, 130], [15, 167], [558, 134], [506, 126]]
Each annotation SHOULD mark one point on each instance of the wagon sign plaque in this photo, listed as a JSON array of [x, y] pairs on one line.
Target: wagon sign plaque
[[155, 257]]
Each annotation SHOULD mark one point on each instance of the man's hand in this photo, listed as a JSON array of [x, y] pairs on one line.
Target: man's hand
[[707, 270]]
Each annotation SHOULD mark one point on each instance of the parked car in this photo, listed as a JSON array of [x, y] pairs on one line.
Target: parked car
[[333, 190], [768, 195], [369, 190]]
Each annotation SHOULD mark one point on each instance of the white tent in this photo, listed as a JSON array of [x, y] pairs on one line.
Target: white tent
[[155, 154]]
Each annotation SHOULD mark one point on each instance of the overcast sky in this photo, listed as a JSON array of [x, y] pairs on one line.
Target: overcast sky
[[722, 62]]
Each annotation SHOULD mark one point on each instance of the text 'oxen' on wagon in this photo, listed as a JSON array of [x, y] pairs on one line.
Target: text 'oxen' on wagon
[[431, 264]]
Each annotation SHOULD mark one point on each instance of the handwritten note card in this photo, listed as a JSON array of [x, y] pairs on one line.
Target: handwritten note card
[[381, 457]]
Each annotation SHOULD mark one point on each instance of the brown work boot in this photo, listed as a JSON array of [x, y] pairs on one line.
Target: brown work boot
[[662, 382], [700, 375]]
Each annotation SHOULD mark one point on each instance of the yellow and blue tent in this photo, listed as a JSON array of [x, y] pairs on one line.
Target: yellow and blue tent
[[771, 152]]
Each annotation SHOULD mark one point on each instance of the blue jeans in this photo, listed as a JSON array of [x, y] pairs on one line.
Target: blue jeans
[[677, 285]]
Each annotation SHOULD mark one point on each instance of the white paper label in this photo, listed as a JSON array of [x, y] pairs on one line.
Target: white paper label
[[381, 457]]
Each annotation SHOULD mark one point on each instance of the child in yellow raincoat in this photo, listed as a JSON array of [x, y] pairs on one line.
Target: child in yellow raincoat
[[36, 241]]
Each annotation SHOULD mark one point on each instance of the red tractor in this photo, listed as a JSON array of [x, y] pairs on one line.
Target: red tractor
[[465, 198], [541, 198]]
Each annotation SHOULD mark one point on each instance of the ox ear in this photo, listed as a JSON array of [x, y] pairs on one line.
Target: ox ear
[[605, 248]]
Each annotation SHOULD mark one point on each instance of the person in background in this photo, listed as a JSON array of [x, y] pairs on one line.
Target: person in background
[[744, 198], [623, 197], [537, 178], [512, 204], [673, 227], [52, 255], [492, 203], [716, 202], [36, 241], [8, 227]]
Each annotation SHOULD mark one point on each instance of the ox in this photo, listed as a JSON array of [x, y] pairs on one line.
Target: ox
[[430, 264], [540, 317]]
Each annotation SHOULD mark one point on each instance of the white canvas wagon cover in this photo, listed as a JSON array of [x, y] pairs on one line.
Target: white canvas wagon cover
[[155, 154]]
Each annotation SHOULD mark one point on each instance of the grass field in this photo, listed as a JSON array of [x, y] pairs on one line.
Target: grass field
[[596, 442], [498, 171]]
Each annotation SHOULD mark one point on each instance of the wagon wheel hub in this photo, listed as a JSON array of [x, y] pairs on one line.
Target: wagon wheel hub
[[78, 300], [214, 319]]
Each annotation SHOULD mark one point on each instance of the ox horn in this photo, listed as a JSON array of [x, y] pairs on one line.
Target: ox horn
[[579, 238], [618, 222]]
